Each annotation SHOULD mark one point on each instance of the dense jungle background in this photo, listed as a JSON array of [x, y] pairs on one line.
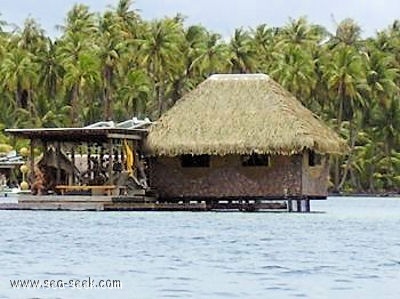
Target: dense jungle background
[[116, 65]]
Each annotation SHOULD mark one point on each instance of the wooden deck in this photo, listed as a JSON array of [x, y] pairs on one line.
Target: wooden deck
[[144, 203], [57, 203], [98, 190]]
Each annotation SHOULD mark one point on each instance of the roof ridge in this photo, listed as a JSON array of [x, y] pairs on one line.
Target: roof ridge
[[254, 76]]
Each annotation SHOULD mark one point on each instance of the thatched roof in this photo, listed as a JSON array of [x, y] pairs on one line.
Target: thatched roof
[[240, 114]]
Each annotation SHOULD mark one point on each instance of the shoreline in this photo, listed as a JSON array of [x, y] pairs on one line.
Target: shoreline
[[364, 195]]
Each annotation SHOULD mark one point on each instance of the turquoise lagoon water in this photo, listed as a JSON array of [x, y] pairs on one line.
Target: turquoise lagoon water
[[348, 248]]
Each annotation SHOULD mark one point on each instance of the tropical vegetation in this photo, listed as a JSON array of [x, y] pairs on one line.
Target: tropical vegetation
[[115, 65]]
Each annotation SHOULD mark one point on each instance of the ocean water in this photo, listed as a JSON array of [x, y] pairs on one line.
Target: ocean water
[[346, 248]]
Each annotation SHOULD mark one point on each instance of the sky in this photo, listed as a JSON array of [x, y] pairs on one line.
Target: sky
[[222, 16]]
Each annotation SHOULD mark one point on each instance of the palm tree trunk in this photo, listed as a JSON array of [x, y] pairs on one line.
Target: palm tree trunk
[[17, 98], [371, 180], [74, 104], [347, 168], [18, 95], [107, 92], [160, 98], [339, 123]]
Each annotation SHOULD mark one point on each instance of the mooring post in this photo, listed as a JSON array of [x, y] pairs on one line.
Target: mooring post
[[290, 205], [298, 204], [308, 205], [303, 205]]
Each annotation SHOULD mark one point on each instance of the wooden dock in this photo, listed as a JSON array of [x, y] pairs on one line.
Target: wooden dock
[[145, 203], [57, 203]]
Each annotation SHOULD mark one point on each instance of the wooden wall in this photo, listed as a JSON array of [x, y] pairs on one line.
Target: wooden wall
[[315, 178], [226, 177]]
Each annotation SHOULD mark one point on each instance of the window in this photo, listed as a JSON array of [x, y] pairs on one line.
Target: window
[[255, 160], [314, 159], [195, 161]]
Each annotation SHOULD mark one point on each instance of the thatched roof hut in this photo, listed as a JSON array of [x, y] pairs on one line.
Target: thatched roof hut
[[240, 114]]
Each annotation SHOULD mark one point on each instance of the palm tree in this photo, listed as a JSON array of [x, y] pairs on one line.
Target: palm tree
[[387, 119], [345, 76], [127, 18], [134, 93], [193, 48], [80, 21], [216, 53], [51, 71], [161, 55], [80, 77], [263, 39], [111, 44], [242, 55], [80, 66], [77, 54], [31, 37], [301, 33], [348, 33], [381, 76], [18, 73], [294, 69]]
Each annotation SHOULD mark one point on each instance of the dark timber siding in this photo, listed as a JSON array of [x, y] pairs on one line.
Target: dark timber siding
[[315, 178], [226, 177]]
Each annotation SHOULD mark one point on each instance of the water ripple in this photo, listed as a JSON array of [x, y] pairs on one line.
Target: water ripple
[[349, 250]]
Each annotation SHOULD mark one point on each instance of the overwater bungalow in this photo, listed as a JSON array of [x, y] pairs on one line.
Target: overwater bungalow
[[241, 137]]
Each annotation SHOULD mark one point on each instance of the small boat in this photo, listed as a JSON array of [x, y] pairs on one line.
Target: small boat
[[6, 191]]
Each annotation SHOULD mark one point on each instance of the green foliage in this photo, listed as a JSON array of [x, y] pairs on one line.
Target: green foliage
[[116, 65]]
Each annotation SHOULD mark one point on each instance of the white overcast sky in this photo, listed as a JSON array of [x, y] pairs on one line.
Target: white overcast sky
[[222, 16]]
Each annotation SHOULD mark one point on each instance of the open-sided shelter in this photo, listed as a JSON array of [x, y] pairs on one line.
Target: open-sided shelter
[[99, 158]]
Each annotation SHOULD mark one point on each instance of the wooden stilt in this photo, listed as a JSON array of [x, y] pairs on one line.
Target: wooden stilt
[[110, 161], [32, 160], [73, 164], [290, 205], [122, 159], [58, 157], [298, 205], [308, 206], [303, 205]]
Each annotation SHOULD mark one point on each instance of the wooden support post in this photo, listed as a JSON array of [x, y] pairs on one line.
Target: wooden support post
[[58, 157], [89, 166], [290, 205], [140, 173], [298, 205], [122, 158], [110, 161], [308, 206], [303, 206], [73, 164], [32, 160]]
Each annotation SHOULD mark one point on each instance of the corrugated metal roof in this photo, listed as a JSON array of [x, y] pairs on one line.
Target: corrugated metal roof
[[100, 131]]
